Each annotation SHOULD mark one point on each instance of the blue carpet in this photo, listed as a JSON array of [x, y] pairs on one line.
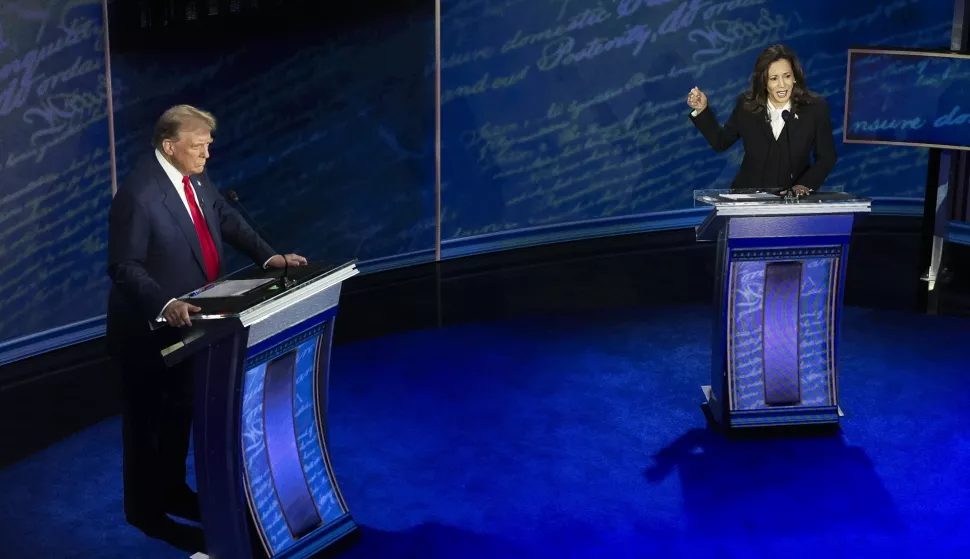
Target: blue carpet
[[581, 436]]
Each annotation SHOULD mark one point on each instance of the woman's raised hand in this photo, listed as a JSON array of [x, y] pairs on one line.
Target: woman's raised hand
[[697, 100]]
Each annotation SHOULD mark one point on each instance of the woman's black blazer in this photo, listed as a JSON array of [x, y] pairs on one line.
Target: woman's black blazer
[[766, 160]]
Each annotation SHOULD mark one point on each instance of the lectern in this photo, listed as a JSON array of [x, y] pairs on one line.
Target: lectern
[[779, 283], [260, 348]]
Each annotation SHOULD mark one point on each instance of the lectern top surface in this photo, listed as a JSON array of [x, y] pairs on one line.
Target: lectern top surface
[[762, 197], [262, 287]]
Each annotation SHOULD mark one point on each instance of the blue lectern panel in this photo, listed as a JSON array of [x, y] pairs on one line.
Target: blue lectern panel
[[788, 227], [289, 482], [818, 325], [904, 97], [746, 337], [781, 348], [259, 485], [763, 367], [282, 446], [316, 468]]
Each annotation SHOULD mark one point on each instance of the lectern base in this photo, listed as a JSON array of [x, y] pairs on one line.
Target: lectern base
[[330, 542], [772, 417]]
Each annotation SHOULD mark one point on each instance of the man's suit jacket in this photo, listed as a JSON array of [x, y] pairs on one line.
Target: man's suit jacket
[[154, 254], [766, 160]]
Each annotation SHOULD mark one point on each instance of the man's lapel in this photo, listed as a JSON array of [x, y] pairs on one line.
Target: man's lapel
[[172, 201]]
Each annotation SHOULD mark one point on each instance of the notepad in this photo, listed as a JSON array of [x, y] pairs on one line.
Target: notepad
[[228, 288], [750, 196]]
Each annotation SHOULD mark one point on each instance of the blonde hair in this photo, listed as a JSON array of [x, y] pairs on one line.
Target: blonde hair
[[174, 120]]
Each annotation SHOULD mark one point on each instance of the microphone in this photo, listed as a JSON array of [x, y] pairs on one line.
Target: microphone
[[284, 282], [788, 118]]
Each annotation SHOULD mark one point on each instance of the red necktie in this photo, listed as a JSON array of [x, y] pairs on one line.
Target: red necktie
[[209, 253]]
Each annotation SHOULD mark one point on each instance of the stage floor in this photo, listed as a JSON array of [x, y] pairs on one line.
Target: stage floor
[[581, 435]]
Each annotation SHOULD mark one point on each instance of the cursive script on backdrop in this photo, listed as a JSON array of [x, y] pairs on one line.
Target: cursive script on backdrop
[[595, 125], [327, 139], [54, 165]]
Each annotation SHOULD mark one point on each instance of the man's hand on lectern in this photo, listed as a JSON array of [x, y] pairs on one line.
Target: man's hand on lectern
[[177, 313], [292, 261]]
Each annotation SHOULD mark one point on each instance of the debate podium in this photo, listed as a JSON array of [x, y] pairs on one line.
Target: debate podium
[[779, 288], [261, 354]]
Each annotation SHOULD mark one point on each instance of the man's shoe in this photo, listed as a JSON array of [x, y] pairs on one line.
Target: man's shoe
[[184, 503], [186, 538]]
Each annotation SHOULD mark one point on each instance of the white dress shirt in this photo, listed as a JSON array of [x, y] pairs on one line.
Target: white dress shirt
[[176, 177], [777, 123]]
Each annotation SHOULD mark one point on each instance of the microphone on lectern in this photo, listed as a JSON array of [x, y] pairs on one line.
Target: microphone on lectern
[[233, 197]]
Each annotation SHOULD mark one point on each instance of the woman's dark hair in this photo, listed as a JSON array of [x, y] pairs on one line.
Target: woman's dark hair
[[756, 99]]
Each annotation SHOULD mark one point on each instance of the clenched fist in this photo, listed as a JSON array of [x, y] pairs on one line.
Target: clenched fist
[[697, 100]]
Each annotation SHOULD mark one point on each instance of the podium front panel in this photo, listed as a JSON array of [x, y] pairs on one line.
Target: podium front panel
[[779, 284], [267, 488], [782, 329], [289, 482]]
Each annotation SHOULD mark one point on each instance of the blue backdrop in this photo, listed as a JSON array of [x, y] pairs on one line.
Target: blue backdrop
[[559, 112], [327, 139], [55, 170], [558, 117]]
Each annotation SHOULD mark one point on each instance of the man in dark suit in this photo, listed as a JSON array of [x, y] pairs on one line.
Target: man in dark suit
[[782, 124], [167, 225]]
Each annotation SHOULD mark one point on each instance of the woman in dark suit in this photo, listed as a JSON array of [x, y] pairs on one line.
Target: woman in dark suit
[[781, 124]]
